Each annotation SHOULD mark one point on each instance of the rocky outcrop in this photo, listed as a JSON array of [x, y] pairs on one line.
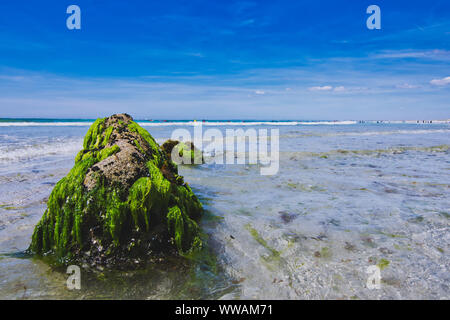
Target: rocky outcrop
[[123, 202], [185, 152]]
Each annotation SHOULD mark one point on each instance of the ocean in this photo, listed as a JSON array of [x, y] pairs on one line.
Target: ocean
[[347, 195]]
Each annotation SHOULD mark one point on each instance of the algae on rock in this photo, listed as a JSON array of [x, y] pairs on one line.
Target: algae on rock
[[184, 152], [122, 201]]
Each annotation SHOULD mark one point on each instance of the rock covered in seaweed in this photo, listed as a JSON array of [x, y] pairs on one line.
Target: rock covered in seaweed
[[186, 152], [123, 201]]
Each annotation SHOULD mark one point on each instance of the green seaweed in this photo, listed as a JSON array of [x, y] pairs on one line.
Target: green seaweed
[[107, 152], [186, 151], [196, 155], [156, 152], [139, 146], [392, 235], [8, 207], [445, 214], [383, 263], [254, 233], [325, 252], [183, 227]]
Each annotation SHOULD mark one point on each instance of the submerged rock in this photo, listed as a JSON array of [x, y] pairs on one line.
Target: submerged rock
[[185, 152], [122, 202]]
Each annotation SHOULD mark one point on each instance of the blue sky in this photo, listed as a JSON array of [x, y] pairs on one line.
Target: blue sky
[[226, 60]]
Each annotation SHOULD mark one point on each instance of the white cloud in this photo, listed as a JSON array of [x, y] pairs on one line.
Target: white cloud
[[195, 54], [260, 92], [339, 89], [423, 54], [321, 88], [406, 86], [440, 82], [12, 78], [328, 88]]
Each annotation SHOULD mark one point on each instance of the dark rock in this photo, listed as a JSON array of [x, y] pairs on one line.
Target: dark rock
[[287, 217]]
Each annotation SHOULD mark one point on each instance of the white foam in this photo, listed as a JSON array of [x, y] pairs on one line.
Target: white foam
[[182, 123], [376, 133], [218, 123], [28, 152], [44, 124], [329, 122]]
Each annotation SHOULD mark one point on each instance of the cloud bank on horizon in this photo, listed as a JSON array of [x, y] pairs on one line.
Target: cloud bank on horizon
[[226, 60]]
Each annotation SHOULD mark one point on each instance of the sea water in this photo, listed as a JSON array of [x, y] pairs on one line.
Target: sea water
[[348, 195]]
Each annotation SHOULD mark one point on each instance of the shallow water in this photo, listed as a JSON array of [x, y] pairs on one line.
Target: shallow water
[[345, 197]]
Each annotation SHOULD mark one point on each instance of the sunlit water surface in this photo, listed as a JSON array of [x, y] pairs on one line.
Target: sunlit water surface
[[346, 197]]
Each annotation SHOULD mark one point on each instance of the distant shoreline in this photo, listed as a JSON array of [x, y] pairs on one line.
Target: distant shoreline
[[10, 122]]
